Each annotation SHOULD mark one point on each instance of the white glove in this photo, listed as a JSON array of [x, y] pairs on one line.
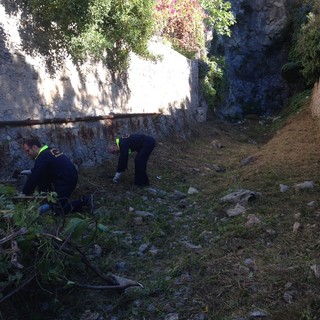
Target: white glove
[[25, 172], [117, 177]]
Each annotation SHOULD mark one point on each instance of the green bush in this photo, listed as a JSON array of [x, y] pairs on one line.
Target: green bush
[[211, 80], [184, 23], [304, 57], [307, 49], [103, 29]]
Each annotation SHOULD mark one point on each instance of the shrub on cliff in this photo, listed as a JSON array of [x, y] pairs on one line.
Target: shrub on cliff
[[305, 52], [185, 23], [307, 49]]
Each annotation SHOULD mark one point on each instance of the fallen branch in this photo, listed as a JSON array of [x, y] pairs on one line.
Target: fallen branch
[[14, 235], [123, 283], [85, 260], [18, 288], [114, 282]]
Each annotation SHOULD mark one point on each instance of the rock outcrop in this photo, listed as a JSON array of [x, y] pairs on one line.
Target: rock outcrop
[[254, 54]]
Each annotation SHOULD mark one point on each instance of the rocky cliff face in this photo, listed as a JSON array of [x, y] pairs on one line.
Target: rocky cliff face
[[254, 56]]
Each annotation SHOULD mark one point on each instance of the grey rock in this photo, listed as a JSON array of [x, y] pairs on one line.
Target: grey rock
[[120, 266], [172, 316], [257, 314], [143, 248], [307, 185], [144, 214], [236, 211], [178, 195], [219, 168], [247, 160], [283, 188], [241, 196], [192, 190], [151, 308]]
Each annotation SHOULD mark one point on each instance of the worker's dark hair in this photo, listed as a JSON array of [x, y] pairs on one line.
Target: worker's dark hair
[[32, 142]]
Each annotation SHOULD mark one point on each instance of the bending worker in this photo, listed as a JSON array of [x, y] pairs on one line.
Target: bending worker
[[140, 143], [53, 171]]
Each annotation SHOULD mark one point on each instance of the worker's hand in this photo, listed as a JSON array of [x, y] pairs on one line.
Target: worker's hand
[[25, 172], [117, 177]]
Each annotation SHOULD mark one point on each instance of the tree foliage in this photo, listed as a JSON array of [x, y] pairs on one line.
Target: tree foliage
[[103, 29], [211, 78], [305, 52], [307, 49], [109, 30], [218, 15], [185, 22]]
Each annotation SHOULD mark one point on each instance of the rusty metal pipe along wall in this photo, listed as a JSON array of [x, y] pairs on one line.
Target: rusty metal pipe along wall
[[32, 122]]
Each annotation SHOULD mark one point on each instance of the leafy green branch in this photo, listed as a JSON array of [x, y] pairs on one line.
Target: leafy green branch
[[42, 250]]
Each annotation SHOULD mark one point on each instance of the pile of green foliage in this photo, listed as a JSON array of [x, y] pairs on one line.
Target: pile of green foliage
[[41, 252]]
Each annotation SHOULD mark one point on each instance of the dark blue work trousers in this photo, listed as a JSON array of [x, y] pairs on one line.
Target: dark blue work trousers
[[141, 159]]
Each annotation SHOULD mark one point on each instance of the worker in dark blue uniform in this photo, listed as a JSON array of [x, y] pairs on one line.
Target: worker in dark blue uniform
[[53, 172], [140, 143]]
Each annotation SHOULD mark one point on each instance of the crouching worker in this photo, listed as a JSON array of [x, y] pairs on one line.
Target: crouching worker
[[53, 172], [140, 143]]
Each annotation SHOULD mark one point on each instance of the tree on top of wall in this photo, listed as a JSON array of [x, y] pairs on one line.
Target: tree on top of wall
[[104, 30]]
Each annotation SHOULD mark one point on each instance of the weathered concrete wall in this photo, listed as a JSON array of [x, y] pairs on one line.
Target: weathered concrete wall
[[31, 90], [84, 142]]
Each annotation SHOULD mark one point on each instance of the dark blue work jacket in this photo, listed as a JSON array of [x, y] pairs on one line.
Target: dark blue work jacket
[[134, 143], [52, 171]]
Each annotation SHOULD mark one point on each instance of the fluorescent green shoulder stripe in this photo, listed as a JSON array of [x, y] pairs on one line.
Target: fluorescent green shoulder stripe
[[42, 149], [118, 144]]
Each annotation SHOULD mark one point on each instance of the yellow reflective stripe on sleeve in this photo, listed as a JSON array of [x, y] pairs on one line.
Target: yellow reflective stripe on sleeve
[[42, 149], [118, 144]]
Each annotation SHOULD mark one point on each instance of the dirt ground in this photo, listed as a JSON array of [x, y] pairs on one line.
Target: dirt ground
[[194, 259], [239, 272]]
